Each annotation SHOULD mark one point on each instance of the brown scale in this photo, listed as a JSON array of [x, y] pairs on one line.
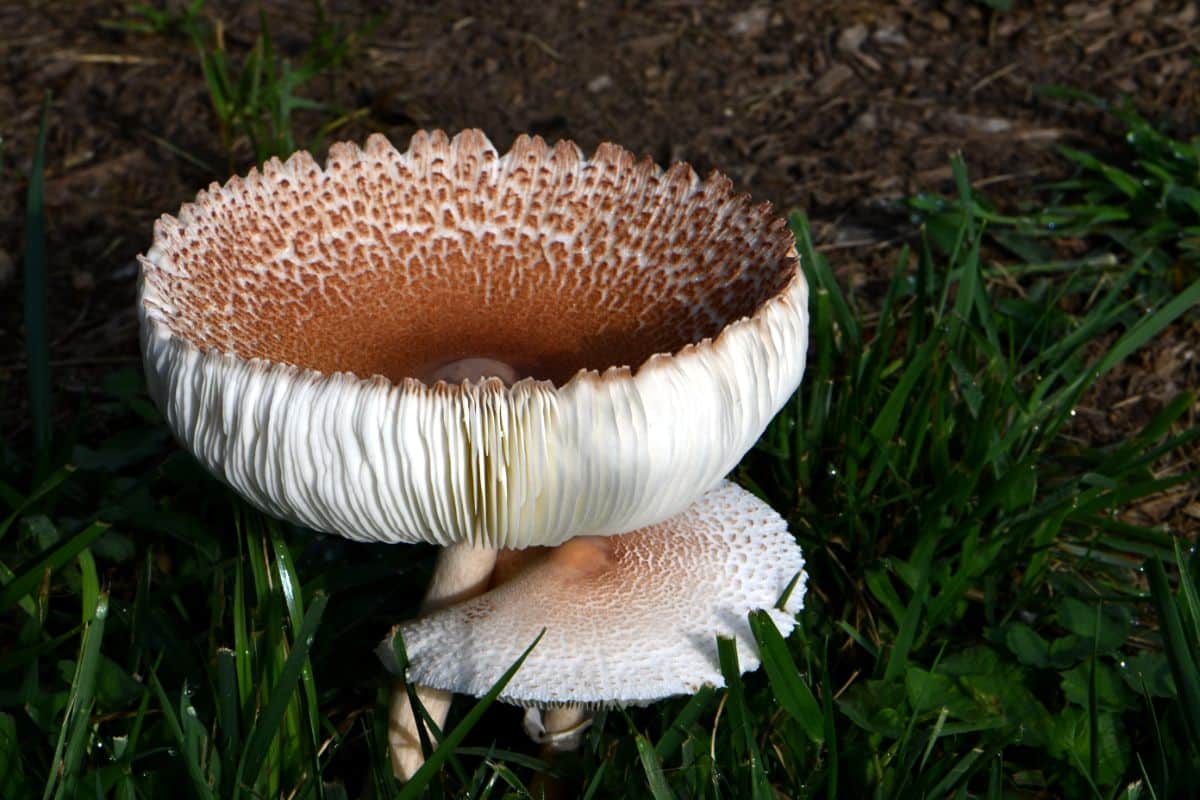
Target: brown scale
[[377, 283]]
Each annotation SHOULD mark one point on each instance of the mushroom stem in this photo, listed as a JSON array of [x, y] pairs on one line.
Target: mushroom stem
[[462, 571], [559, 729], [404, 739], [474, 369]]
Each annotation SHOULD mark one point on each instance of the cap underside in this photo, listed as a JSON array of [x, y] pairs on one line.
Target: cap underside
[[393, 264], [628, 619]]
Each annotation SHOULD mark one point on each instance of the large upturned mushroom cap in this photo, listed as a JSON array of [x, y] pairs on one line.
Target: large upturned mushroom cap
[[628, 619], [293, 320]]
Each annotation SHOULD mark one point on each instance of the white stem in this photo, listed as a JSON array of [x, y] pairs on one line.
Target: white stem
[[404, 741], [474, 369], [560, 729], [462, 571]]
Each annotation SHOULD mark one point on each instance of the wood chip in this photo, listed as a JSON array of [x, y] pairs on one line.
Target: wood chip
[[833, 79], [751, 23]]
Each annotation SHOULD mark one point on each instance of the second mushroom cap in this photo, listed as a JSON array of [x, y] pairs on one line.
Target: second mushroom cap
[[628, 619]]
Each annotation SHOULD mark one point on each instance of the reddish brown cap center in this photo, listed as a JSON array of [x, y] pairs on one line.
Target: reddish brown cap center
[[398, 266]]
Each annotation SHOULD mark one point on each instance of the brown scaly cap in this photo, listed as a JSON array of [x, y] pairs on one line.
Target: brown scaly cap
[[292, 321]]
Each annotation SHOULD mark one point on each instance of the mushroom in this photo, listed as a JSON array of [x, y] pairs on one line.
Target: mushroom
[[628, 619], [480, 351]]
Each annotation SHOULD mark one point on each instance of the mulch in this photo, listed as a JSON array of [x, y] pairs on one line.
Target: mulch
[[839, 109]]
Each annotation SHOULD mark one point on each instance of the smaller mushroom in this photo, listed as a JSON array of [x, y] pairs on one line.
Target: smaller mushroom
[[628, 619]]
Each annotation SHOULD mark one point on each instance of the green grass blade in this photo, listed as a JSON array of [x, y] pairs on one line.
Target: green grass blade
[[414, 788], [89, 584], [596, 782], [1093, 707], [426, 724], [793, 694], [671, 740], [739, 715], [37, 341], [48, 485], [956, 773], [898, 659], [653, 768], [831, 737], [821, 277], [1148, 327], [243, 646], [899, 399], [28, 579], [199, 783], [12, 772], [77, 722], [289, 582], [1179, 655], [1191, 599], [266, 727], [15, 659], [228, 703]]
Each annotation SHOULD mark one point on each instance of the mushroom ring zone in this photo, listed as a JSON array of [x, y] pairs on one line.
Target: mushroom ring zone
[[453, 345]]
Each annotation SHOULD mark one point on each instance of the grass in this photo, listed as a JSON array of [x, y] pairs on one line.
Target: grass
[[1141, 201], [255, 100], [975, 575], [983, 620], [37, 352]]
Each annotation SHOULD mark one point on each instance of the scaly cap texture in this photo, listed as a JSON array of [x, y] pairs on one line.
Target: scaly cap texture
[[291, 322], [629, 619]]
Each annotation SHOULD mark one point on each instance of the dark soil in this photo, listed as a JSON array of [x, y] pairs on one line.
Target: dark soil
[[836, 108]]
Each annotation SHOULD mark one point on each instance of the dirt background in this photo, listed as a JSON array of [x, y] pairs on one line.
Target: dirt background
[[840, 109]]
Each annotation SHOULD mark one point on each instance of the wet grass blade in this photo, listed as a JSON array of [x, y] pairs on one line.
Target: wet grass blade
[[655, 779], [1191, 599], [819, 275], [89, 584], [50, 484], [898, 659], [790, 690], [596, 782], [831, 740], [426, 724], [195, 771], [28, 578], [1146, 328], [243, 645], [1093, 707], [739, 715], [1181, 658], [962, 768], [266, 727], [289, 582], [671, 740], [77, 722], [37, 341], [414, 788], [228, 703]]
